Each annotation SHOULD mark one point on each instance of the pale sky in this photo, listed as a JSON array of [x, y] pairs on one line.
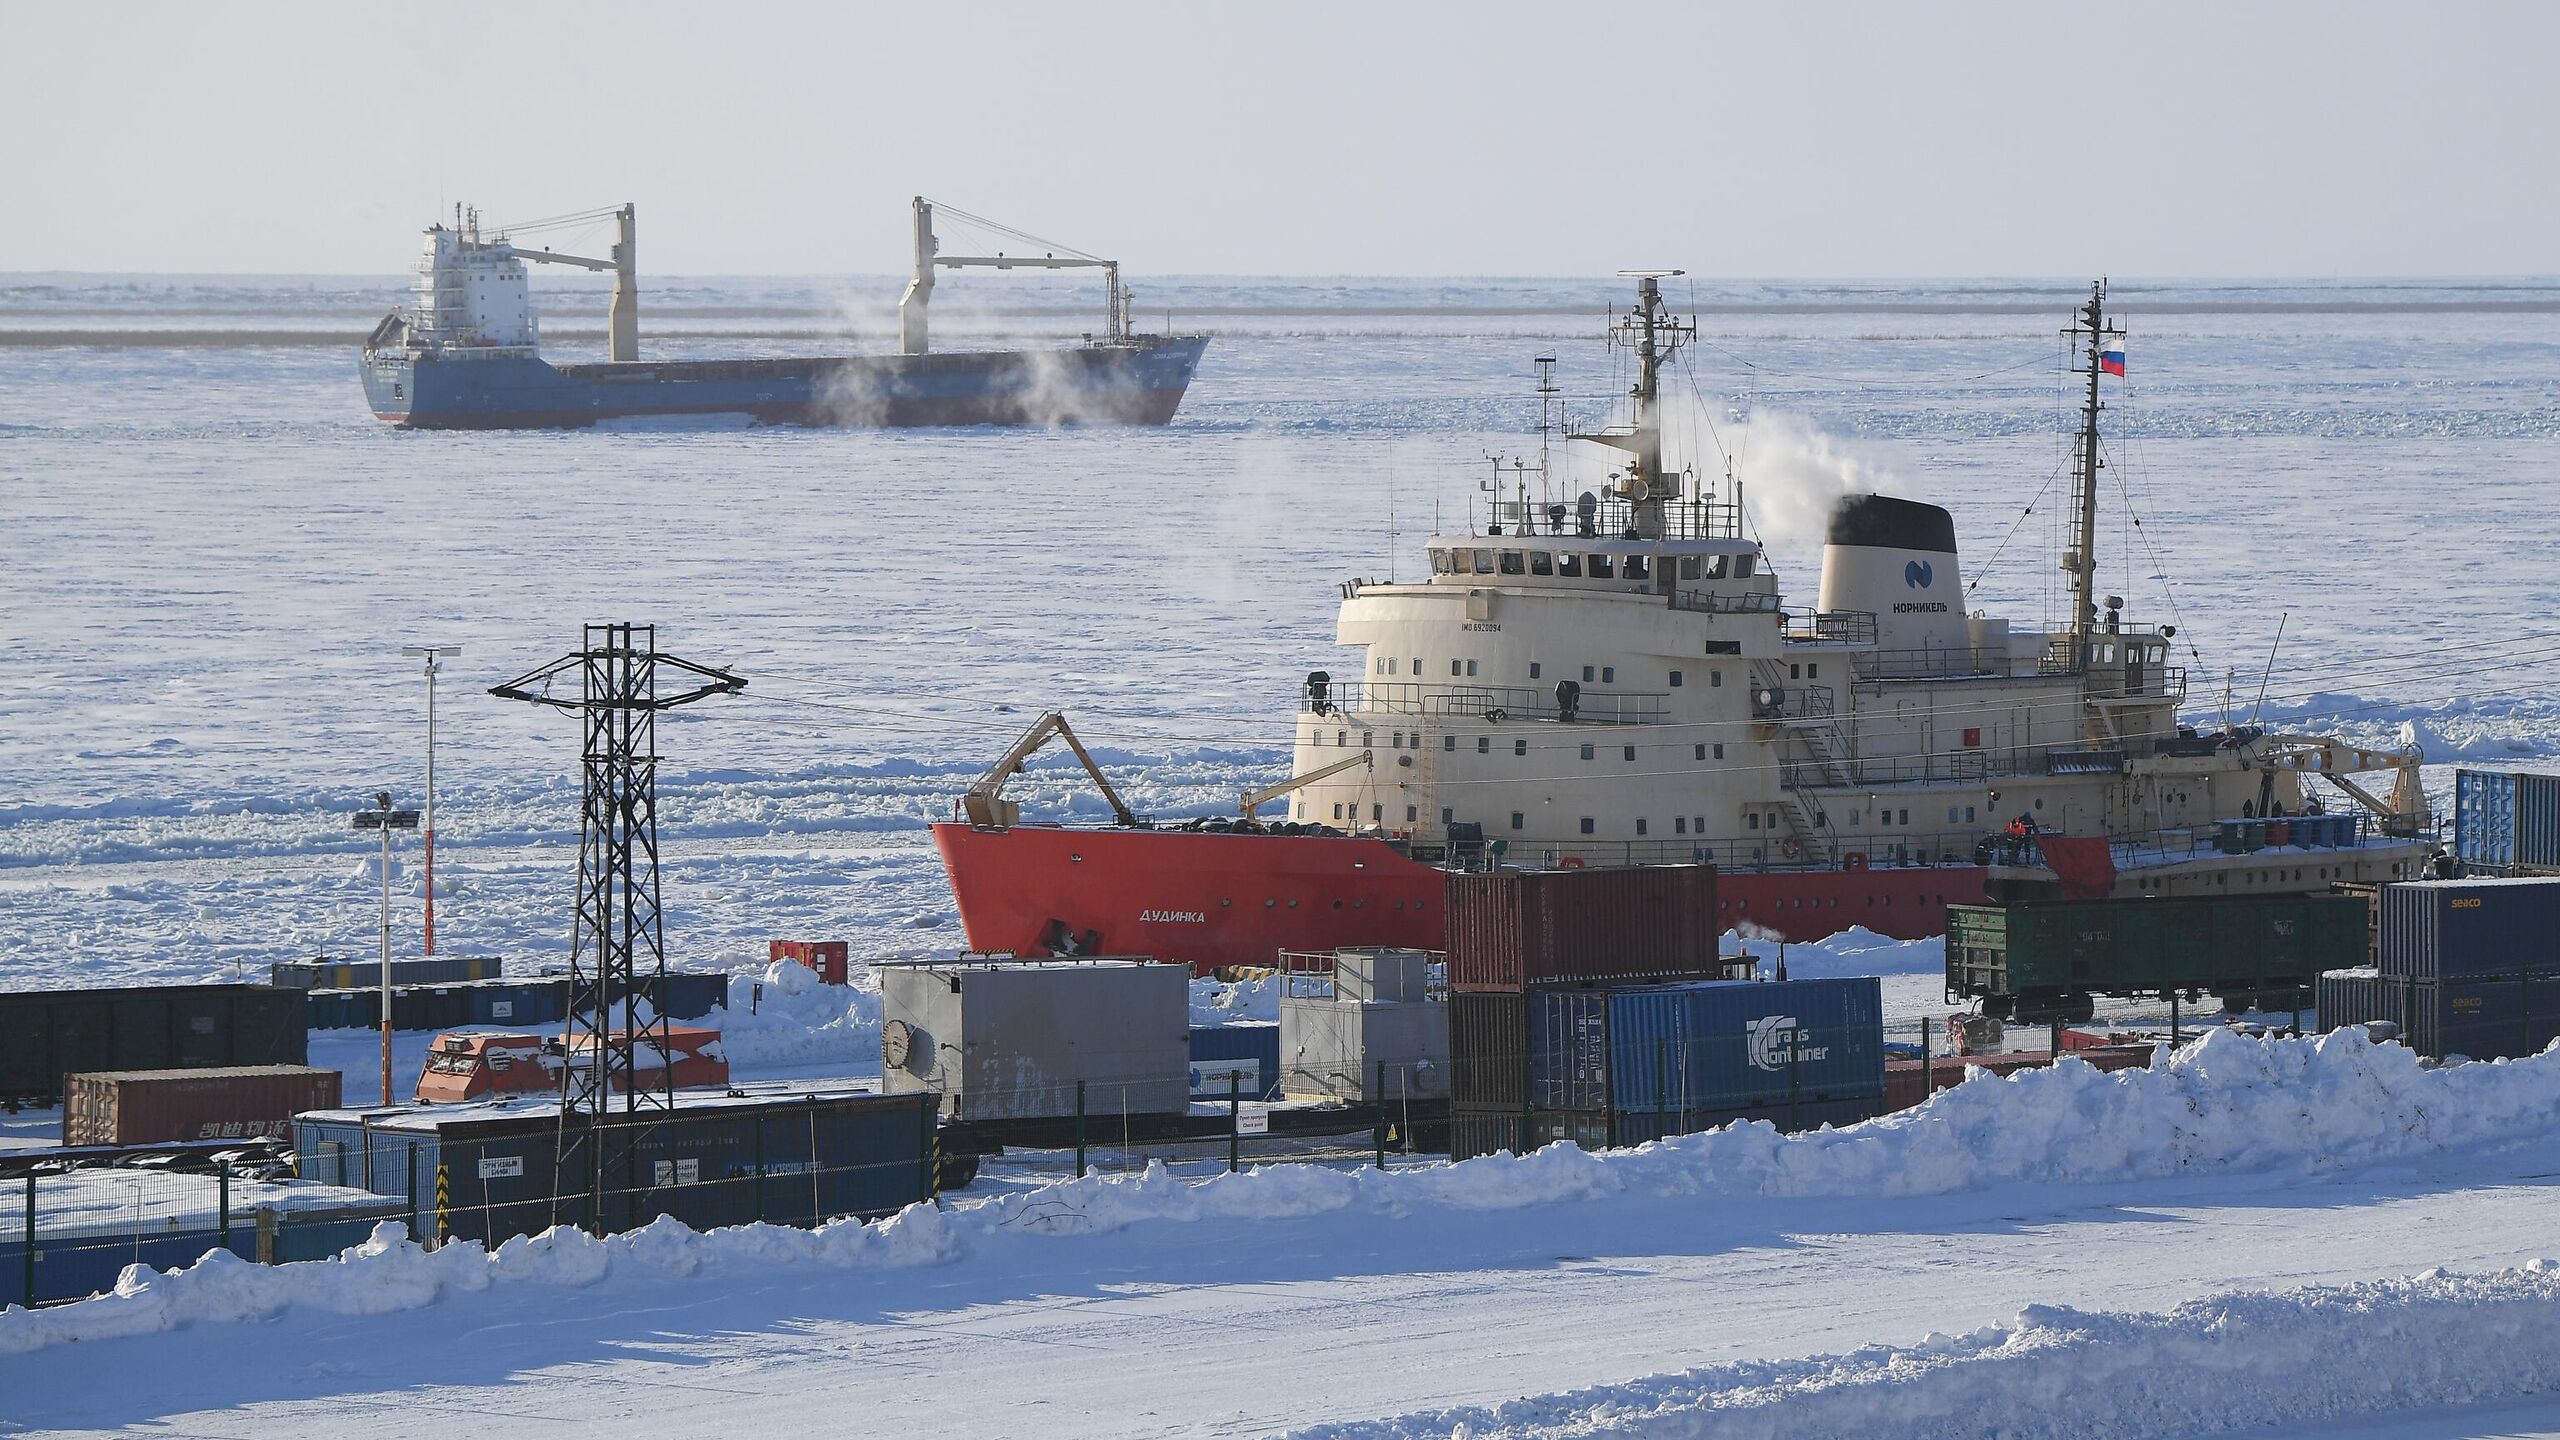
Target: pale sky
[[1302, 139]]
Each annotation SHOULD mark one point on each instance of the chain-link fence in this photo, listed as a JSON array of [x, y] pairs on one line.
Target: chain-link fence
[[76, 1231]]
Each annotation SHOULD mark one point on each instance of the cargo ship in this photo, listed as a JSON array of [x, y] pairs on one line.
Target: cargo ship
[[1615, 677], [465, 353]]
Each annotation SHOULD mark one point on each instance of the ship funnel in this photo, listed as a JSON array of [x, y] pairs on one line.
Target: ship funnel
[[1896, 559]]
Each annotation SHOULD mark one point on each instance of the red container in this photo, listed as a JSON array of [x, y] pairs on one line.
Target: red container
[[832, 959], [1513, 930], [1488, 1048], [1902, 1077], [148, 1107]]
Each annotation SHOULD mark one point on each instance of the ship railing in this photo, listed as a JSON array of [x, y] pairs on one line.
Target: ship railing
[[1941, 662], [1718, 602], [1612, 519], [1831, 627], [1490, 702], [1767, 851], [1791, 702], [1309, 974]]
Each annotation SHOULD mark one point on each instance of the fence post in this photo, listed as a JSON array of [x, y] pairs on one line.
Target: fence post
[[1378, 1122], [1079, 1129], [2524, 1013], [413, 1198], [222, 1201], [444, 1201], [30, 1238], [1928, 1066], [2173, 1019], [1795, 1043], [266, 1234], [759, 1198], [1661, 1083], [1235, 1102], [2056, 1042]]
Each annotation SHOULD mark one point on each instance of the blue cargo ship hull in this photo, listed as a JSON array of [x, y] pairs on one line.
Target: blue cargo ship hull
[[1138, 382]]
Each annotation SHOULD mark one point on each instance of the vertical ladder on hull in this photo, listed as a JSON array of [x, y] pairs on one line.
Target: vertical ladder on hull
[[1812, 755]]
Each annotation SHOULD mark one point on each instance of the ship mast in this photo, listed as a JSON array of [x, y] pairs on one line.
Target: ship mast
[[2081, 560], [1655, 337]]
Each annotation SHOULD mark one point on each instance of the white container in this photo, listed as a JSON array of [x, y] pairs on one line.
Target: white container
[[1009, 1040]]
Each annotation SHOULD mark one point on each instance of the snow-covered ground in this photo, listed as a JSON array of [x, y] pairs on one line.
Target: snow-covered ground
[[209, 557]]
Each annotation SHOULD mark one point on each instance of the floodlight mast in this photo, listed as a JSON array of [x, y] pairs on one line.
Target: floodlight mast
[[432, 654], [384, 819]]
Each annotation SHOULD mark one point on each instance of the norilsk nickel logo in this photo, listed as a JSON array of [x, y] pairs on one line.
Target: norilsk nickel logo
[[1774, 1039], [1917, 574]]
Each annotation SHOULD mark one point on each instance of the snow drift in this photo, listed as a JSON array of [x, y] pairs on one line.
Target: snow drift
[[2232, 1362], [2226, 1103]]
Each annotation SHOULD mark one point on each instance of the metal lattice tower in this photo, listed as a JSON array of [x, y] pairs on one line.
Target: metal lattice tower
[[618, 939]]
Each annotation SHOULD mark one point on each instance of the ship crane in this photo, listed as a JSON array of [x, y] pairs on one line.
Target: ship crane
[[985, 803], [623, 320], [911, 305], [1253, 800]]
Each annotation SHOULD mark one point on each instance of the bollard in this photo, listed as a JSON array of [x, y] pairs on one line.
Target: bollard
[[1235, 1102], [1079, 1129], [266, 1234], [444, 1202]]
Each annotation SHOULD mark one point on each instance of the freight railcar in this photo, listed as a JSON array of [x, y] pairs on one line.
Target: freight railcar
[[2047, 960], [46, 1034]]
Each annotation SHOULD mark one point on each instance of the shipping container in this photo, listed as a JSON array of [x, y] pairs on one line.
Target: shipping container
[[47, 1034], [2453, 929], [681, 995], [1387, 976], [1010, 1039], [231, 1102], [1518, 929], [1249, 1051], [1488, 1048], [349, 974], [516, 1168], [832, 959], [2048, 957], [2506, 823], [2477, 1018], [1337, 1049], [1710, 1046], [92, 1223]]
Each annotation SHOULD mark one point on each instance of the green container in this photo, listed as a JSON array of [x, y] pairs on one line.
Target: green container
[[2253, 948]]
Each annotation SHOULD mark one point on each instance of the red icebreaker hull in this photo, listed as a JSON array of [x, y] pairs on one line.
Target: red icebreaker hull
[[1216, 900]]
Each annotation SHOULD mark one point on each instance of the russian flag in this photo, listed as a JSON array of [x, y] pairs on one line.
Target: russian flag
[[2111, 357]]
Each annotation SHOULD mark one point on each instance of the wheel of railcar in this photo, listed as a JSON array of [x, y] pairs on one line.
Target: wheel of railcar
[[958, 1171]]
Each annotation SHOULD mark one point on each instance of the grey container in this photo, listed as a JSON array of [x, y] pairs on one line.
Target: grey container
[[2478, 1018], [1332, 1049], [1010, 1039], [2456, 929]]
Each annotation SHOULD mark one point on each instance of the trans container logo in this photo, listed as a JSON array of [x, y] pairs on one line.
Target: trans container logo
[[1774, 1041]]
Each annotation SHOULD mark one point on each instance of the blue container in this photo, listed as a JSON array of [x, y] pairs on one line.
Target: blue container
[[682, 996], [80, 1250], [1251, 1052], [1707, 1047], [2458, 929], [2506, 823]]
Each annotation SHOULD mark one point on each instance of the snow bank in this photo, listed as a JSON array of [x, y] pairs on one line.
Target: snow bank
[[2234, 1362], [2225, 1103], [781, 1015]]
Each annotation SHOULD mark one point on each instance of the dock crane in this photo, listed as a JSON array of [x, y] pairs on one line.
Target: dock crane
[[623, 320], [985, 803], [1253, 800], [911, 305]]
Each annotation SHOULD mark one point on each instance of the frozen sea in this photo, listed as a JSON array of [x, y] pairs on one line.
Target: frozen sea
[[210, 555]]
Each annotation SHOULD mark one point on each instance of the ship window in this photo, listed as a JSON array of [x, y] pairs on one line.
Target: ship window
[[1715, 679], [1448, 742], [1679, 824], [1719, 752], [1590, 673], [1439, 562], [1631, 753], [1636, 568], [1699, 825], [1471, 668], [1533, 669], [1519, 747], [1417, 665], [1906, 818], [1412, 813], [1968, 814], [1602, 567], [1342, 739], [1337, 810], [1688, 567], [1453, 667], [1742, 566], [1813, 670], [1391, 665], [1587, 752], [1702, 752], [1448, 817], [1484, 744], [1640, 824], [1542, 562], [1511, 564], [1608, 674], [1368, 739], [1853, 817], [1951, 814], [1518, 820], [1569, 566], [1718, 565], [1751, 819], [1587, 826], [1675, 679], [1484, 562], [1377, 813]]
